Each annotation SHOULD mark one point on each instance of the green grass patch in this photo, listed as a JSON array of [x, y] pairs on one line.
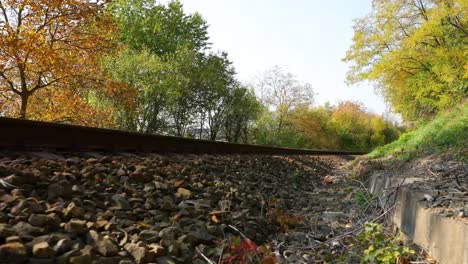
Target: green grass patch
[[448, 130]]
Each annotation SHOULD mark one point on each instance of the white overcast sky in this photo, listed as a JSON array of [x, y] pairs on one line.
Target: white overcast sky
[[308, 37]]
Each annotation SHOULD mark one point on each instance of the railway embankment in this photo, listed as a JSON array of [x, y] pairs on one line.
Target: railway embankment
[[428, 201]]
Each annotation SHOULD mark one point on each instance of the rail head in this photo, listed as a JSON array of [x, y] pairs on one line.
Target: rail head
[[19, 134]]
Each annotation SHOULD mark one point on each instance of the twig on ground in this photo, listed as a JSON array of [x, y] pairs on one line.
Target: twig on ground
[[238, 231], [204, 257]]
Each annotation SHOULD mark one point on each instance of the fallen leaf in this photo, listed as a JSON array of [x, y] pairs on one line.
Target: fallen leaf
[[216, 212], [214, 219]]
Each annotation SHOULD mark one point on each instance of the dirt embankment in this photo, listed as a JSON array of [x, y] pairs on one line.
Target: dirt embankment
[[444, 179]]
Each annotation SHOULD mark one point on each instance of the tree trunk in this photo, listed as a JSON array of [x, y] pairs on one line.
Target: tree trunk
[[24, 106]]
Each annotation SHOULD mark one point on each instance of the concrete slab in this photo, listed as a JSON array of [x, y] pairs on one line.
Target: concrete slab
[[444, 238]]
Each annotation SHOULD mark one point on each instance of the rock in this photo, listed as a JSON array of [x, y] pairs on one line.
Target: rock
[[138, 252], [65, 258], [54, 221], [43, 250], [81, 259], [165, 260], [139, 175], [41, 261], [200, 236], [121, 202], [12, 239], [157, 250], [39, 220], [104, 245], [63, 245], [75, 226], [183, 193], [85, 256], [25, 229], [18, 180], [74, 211], [101, 223], [106, 260], [161, 185], [61, 189], [169, 233], [6, 231], [168, 203], [149, 236], [13, 253]]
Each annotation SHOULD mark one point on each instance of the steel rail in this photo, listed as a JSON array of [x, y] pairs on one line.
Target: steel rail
[[18, 134]]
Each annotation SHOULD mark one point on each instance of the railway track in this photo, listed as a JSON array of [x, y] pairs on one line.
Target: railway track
[[17, 134]]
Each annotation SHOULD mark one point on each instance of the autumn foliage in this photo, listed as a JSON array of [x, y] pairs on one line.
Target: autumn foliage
[[52, 45]]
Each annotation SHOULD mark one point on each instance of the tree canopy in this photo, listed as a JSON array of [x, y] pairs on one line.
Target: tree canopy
[[49, 44], [415, 51]]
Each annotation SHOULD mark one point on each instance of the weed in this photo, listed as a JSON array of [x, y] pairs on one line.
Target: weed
[[363, 199], [381, 248]]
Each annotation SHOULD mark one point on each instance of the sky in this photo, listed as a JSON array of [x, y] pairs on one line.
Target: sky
[[307, 37]]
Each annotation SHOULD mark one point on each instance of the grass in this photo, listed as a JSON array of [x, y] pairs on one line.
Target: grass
[[447, 131]]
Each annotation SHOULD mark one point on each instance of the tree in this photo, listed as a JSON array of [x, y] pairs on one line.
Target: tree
[[162, 29], [243, 109], [217, 82], [314, 125], [283, 92], [415, 51], [177, 75], [50, 44], [151, 78]]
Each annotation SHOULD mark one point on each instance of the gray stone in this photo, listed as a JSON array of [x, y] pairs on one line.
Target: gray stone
[[169, 233], [168, 203], [65, 258], [39, 220], [74, 211], [121, 202], [138, 252], [85, 256], [103, 244], [149, 236], [61, 189], [25, 229], [106, 260], [75, 226], [63, 245], [165, 260], [200, 235]]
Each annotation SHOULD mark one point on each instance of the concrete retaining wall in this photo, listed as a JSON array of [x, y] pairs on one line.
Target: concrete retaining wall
[[444, 238]]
